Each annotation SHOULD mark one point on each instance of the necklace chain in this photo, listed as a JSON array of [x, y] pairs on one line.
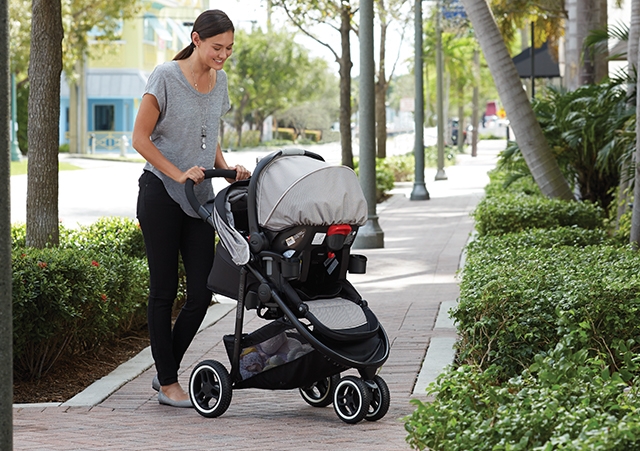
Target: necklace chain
[[203, 132]]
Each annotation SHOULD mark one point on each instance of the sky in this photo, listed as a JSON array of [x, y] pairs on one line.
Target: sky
[[245, 13]]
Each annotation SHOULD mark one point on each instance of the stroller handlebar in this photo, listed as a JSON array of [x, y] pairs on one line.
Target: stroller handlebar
[[191, 196]]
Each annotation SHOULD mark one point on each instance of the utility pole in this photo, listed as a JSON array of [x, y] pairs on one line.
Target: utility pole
[[419, 191], [6, 315], [370, 235], [440, 174]]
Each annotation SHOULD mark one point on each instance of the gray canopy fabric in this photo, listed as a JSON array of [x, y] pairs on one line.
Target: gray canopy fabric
[[298, 190]]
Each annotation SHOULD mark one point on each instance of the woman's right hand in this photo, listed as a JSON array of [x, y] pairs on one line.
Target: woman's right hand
[[196, 173]]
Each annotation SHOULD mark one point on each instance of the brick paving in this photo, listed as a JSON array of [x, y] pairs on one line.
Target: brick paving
[[405, 284]]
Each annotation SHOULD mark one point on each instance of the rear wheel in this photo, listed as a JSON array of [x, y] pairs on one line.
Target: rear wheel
[[380, 399], [210, 388], [351, 399], [320, 393]]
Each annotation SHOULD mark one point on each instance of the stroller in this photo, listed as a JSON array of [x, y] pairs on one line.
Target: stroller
[[284, 251]]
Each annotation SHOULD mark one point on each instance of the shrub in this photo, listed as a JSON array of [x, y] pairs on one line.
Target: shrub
[[566, 399], [401, 166], [384, 178], [68, 299], [109, 235], [516, 301], [497, 215]]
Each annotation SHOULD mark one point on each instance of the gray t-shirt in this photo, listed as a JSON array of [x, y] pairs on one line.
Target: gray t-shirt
[[177, 134]]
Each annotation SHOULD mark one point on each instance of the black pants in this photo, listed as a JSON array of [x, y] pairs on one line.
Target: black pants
[[167, 231]]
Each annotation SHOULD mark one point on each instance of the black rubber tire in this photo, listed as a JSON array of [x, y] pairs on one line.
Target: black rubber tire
[[351, 399], [380, 399], [320, 393], [210, 388]]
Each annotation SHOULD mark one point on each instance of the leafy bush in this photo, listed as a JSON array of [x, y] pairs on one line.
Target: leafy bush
[[109, 235], [566, 399], [497, 215], [401, 166], [384, 178], [68, 299], [518, 300]]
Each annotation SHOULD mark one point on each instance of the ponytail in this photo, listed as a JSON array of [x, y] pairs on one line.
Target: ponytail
[[185, 52]]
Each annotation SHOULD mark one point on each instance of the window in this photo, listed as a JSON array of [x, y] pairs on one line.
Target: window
[[104, 117]]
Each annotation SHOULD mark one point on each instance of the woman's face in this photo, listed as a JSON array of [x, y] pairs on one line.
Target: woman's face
[[215, 50]]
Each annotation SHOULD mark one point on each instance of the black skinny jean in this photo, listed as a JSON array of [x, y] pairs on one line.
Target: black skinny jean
[[168, 232]]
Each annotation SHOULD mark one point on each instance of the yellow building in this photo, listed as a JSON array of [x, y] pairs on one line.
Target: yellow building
[[97, 113]]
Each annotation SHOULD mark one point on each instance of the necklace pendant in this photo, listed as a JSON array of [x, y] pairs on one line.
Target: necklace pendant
[[203, 146]]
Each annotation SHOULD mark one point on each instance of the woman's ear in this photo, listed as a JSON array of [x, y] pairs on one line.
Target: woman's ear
[[195, 38]]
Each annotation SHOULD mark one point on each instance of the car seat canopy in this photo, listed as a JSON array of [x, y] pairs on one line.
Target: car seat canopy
[[298, 190]]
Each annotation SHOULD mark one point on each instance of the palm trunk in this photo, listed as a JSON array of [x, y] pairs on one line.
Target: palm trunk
[[633, 56], [531, 140]]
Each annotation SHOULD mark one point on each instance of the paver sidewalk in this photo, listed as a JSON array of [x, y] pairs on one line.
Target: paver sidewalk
[[409, 284]]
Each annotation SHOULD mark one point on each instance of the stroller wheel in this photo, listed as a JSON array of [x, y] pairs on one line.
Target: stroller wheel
[[351, 399], [320, 393], [380, 399], [210, 388]]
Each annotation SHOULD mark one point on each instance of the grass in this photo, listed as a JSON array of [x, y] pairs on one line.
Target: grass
[[20, 167]]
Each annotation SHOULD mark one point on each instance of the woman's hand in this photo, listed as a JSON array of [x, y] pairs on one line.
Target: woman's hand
[[242, 173], [196, 173]]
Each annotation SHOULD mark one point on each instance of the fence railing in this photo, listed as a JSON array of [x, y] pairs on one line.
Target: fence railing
[[110, 142]]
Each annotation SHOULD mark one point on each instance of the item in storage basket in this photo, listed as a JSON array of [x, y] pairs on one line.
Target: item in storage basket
[[273, 352]]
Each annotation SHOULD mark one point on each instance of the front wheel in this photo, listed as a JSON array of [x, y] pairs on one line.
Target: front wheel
[[380, 399], [210, 388], [351, 399], [320, 393]]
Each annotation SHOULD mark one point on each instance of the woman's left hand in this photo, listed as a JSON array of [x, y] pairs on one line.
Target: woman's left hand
[[242, 173]]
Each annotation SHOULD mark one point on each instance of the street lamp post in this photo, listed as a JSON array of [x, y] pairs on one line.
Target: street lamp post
[[370, 235], [419, 191]]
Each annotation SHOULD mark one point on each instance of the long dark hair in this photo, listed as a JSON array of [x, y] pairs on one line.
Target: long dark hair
[[210, 23]]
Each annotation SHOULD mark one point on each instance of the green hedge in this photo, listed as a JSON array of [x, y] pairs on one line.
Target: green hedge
[[518, 300], [565, 400], [549, 326], [511, 212], [69, 299]]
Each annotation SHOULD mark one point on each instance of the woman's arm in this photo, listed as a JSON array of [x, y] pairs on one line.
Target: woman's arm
[[146, 120], [220, 163]]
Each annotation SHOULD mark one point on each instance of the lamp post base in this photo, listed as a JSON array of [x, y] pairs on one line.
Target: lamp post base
[[370, 235]]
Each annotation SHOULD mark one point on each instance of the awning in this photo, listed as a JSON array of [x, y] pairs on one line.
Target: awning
[[544, 65], [111, 84], [160, 29], [181, 32]]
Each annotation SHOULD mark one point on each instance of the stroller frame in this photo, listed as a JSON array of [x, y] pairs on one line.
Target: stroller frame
[[354, 399]]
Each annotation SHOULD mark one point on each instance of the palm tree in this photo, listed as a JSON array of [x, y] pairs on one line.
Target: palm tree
[[632, 58], [532, 143]]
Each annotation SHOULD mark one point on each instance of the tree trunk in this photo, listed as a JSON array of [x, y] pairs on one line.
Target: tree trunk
[[633, 57], [45, 67], [532, 143], [584, 67], [632, 60], [381, 88], [345, 86], [474, 114]]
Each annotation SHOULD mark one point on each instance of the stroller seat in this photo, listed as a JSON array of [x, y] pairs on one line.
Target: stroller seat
[[337, 314]]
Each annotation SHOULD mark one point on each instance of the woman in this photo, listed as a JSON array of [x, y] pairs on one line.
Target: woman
[[176, 131]]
